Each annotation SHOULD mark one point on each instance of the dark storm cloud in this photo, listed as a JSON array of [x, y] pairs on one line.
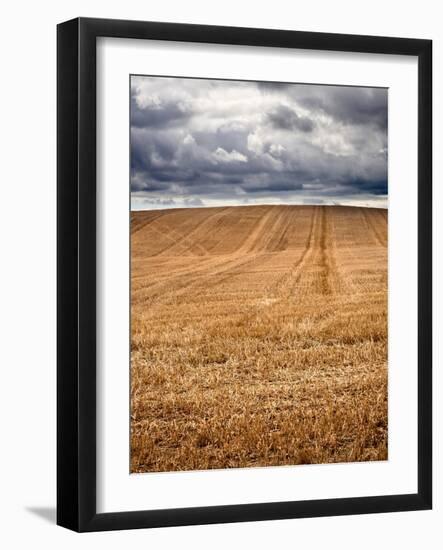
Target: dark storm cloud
[[351, 105], [284, 118], [201, 142], [378, 187], [271, 186], [153, 115], [346, 104]]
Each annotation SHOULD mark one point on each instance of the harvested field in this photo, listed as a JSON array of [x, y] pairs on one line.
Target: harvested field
[[259, 337]]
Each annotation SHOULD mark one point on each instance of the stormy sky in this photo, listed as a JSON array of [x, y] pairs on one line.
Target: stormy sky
[[212, 142]]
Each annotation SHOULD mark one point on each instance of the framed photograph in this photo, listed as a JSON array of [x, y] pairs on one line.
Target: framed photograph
[[244, 274]]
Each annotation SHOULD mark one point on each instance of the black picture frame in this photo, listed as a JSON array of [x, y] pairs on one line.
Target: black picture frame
[[76, 278]]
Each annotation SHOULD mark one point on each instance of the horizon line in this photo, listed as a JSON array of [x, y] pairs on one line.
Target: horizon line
[[189, 207]]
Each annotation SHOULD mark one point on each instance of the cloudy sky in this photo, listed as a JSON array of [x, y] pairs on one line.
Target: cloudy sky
[[212, 142]]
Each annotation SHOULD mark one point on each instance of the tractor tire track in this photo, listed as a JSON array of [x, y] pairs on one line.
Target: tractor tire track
[[186, 240], [240, 258], [381, 240]]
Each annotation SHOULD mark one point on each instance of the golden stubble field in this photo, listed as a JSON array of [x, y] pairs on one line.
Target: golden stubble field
[[259, 337]]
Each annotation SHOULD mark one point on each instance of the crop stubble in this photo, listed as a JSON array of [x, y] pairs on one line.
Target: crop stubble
[[259, 336]]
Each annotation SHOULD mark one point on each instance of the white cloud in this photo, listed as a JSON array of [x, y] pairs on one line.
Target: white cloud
[[255, 143], [276, 149], [148, 101], [220, 155], [188, 140]]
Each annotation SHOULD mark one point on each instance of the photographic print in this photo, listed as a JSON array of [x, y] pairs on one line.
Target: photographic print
[[259, 274]]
